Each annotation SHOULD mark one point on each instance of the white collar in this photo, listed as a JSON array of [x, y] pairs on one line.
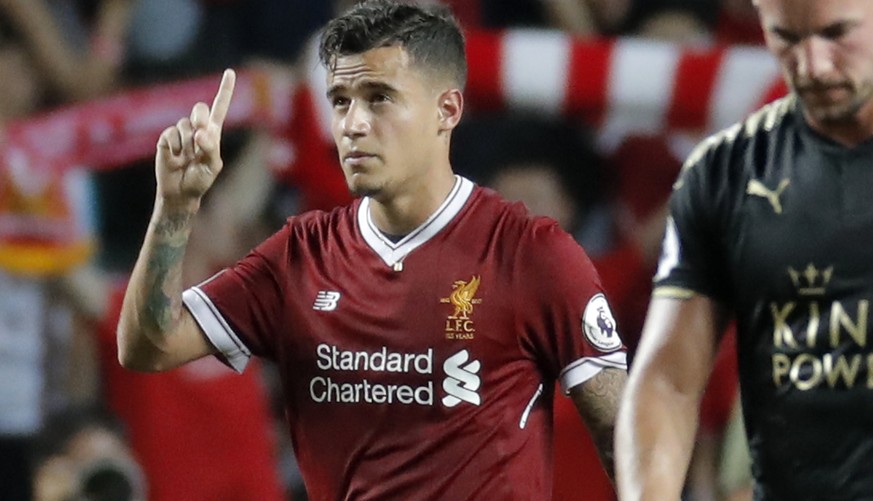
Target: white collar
[[393, 253]]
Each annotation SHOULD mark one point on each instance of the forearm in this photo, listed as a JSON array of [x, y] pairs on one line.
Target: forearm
[[654, 439], [152, 305], [597, 401]]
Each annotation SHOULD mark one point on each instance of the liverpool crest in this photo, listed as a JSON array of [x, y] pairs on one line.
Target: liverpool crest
[[459, 325]]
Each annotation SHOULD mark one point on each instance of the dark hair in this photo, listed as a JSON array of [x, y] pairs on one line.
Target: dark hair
[[63, 425], [105, 479], [430, 35]]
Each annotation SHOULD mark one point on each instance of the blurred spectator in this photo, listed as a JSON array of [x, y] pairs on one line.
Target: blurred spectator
[[163, 37], [670, 20], [83, 454], [581, 18], [46, 235], [720, 21], [549, 164], [21, 88], [34, 334], [738, 23], [77, 47], [172, 39]]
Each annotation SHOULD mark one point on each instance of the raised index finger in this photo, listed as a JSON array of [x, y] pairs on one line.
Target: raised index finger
[[221, 103]]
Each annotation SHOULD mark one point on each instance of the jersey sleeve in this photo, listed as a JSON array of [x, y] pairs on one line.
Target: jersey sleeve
[[572, 329], [239, 307], [692, 260]]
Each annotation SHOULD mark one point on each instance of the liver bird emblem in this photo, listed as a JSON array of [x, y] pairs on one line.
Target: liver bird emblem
[[463, 297]]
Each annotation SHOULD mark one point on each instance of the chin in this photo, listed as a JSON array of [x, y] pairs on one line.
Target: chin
[[362, 188], [835, 113]]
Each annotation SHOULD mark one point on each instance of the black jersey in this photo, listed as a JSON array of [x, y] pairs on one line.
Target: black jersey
[[776, 221]]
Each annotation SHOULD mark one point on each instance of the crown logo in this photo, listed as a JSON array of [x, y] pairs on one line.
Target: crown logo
[[811, 281]]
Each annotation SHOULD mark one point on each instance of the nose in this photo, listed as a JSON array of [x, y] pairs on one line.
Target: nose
[[357, 121], [814, 59]]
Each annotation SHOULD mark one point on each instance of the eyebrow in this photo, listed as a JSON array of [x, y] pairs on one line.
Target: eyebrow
[[376, 86], [842, 25]]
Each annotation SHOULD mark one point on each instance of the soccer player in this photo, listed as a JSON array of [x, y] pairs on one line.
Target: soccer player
[[417, 331], [771, 221]]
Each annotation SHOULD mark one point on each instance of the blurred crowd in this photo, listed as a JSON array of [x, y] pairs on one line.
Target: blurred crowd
[[74, 425]]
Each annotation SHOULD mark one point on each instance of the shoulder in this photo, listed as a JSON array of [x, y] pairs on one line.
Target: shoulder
[[743, 143], [319, 222], [508, 219], [513, 221], [309, 230], [717, 171], [539, 241]]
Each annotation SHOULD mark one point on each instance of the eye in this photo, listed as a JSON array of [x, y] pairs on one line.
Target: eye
[[339, 101], [834, 32], [786, 36], [380, 98]]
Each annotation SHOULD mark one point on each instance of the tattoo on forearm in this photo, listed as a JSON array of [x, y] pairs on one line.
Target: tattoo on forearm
[[173, 224], [598, 400], [163, 267]]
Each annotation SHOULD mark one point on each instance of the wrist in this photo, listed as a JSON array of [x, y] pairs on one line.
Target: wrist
[[174, 219], [166, 206]]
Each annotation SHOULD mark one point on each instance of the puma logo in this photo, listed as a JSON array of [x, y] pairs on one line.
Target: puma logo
[[757, 188]]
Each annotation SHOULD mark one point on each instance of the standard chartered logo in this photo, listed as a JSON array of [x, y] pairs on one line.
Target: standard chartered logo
[[461, 380], [461, 383]]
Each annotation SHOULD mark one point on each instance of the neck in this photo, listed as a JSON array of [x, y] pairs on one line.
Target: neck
[[849, 133], [400, 214]]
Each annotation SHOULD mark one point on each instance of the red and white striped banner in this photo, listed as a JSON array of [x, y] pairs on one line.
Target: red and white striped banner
[[622, 86], [627, 84], [111, 132]]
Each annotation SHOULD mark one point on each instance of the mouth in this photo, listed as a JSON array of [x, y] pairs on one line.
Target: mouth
[[824, 91], [354, 158]]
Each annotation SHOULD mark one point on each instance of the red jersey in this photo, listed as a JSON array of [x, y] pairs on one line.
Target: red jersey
[[421, 369]]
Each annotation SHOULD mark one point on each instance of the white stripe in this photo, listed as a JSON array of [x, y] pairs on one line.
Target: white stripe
[[524, 415], [640, 88], [216, 328], [535, 66], [744, 76], [392, 253], [586, 368]]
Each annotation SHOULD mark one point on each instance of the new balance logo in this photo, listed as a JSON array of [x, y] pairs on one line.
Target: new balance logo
[[461, 380], [326, 300]]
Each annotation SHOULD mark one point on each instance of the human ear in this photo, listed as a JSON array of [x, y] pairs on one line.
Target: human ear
[[450, 107]]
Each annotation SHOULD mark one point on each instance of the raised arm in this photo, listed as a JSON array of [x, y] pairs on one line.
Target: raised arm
[[658, 416], [73, 74], [155, 332], [597, 401]]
